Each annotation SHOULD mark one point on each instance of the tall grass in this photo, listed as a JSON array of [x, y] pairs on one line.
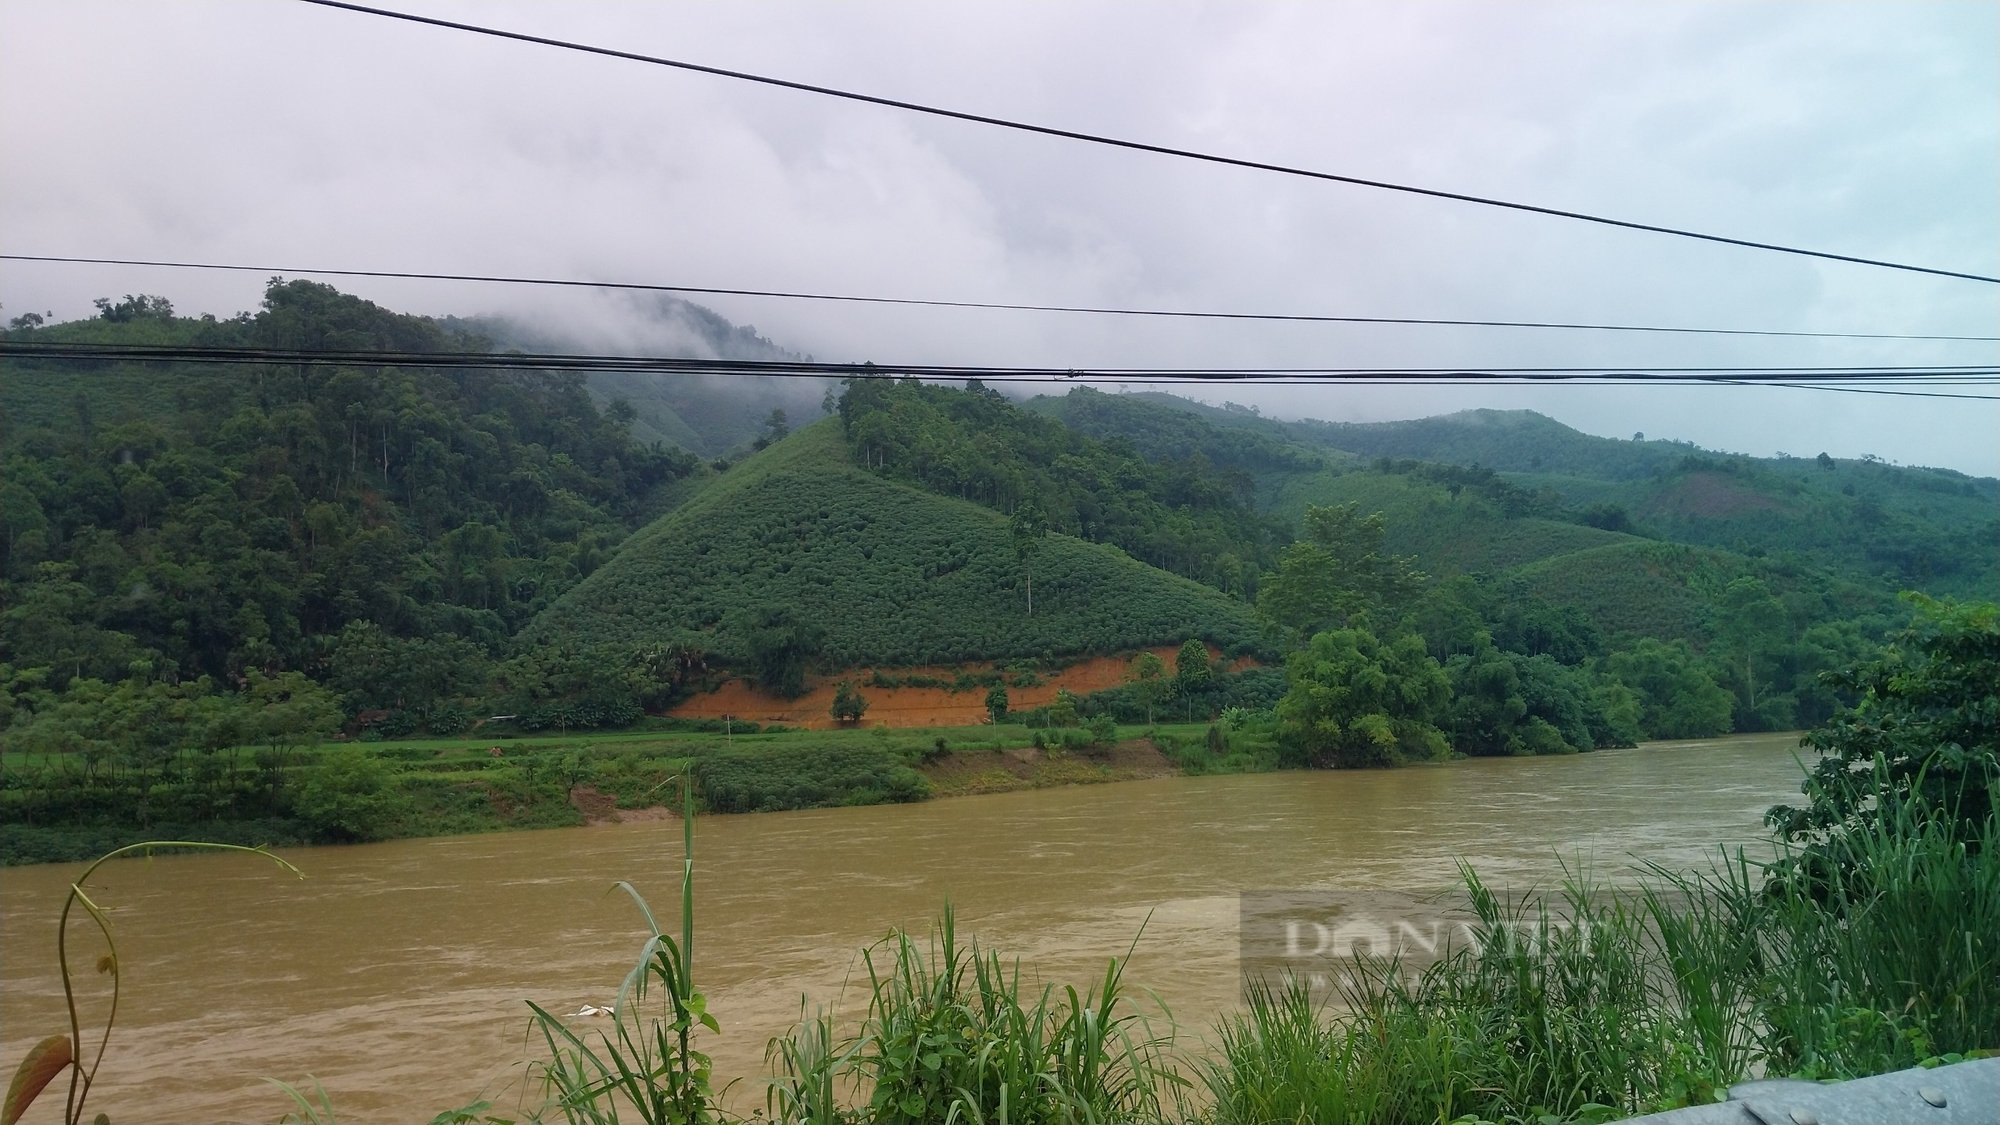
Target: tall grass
[[1596, 1002], [953, 1034], [1890, 961], [648, 1063]]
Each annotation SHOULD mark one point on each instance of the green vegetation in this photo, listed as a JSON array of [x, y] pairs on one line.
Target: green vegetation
[[206, 571], [848, 704], [246, 520], [953, 1034], [175, 537], [1355, 701], [794, 776], [1587, 1004], [894, 575], [1172, 510], [51, 810], [1921, 746], [1336, 576], [1545, 540], [649, 1063], [1597, 1003], [1932, 529], [1448, 530], [1578, 1006]]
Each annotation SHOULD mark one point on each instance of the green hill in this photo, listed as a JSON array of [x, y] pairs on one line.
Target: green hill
[[1462, 534], [1931, 529], [1928, 529], [1504, 440], [706, 416], [1893, 527], [179, 520], [893, 574]]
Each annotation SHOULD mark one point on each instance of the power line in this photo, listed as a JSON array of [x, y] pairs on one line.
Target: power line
[[1191, 314], [1136, 146], [1884, 391], [1799, 377]]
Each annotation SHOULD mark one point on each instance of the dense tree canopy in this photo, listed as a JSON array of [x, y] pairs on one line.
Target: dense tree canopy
[[1923, 741], [1357, 701], [1174, 511], [273, 506], [1336, 575]]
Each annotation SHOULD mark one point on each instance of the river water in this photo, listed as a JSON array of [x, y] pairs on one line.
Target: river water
[[396, 974]]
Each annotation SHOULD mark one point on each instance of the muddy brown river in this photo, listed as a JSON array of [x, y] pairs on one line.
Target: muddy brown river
[[396, 974]]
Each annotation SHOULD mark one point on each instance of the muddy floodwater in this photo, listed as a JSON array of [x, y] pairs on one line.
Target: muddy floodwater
[[395, 974]]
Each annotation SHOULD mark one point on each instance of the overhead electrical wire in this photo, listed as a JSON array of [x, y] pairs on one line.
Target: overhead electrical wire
[[1886, 391], [1136, 146], [1798, 377], [1190, 314]]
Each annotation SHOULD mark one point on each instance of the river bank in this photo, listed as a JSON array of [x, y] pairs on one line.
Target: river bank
[[401, 790]]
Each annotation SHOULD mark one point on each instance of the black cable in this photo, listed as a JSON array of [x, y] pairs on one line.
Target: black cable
[[1137, 146], [1883, 391], [933, 303], [793, 369], [31, 346]]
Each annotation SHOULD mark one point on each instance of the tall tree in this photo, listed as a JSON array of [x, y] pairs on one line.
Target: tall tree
[[1356, 701], [1192, 671], [782, 644], [1149, 679], [1337, 575], [1750, 623], [1029, 527]]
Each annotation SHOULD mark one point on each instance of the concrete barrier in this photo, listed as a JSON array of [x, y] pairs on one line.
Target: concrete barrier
[[1966, 1093]]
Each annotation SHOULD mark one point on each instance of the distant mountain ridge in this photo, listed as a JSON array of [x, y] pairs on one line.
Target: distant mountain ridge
[[1936, 530]]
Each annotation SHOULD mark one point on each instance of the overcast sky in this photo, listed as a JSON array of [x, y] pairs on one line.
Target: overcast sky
[[272, 132]]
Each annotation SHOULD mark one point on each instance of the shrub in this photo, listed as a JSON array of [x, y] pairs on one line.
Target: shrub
[[953, 1035], [397, 724], [848, 704], [447, 719], [1103, 731], [348, 795]]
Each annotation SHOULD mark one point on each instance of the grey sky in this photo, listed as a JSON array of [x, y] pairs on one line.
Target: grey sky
[[272, 132]]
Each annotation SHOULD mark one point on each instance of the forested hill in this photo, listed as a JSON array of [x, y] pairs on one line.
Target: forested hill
[[1166, 503], [1886, 526], [430, 543], [165, 522], [707, 416]]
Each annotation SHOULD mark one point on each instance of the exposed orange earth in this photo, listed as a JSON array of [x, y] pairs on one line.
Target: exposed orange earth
[[911, 706]]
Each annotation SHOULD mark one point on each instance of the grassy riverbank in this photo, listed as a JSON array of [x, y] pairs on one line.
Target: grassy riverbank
[[1582, 1005], [58, 810]]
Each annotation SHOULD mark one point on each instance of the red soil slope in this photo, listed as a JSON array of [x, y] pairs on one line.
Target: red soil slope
[[909, 706]]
